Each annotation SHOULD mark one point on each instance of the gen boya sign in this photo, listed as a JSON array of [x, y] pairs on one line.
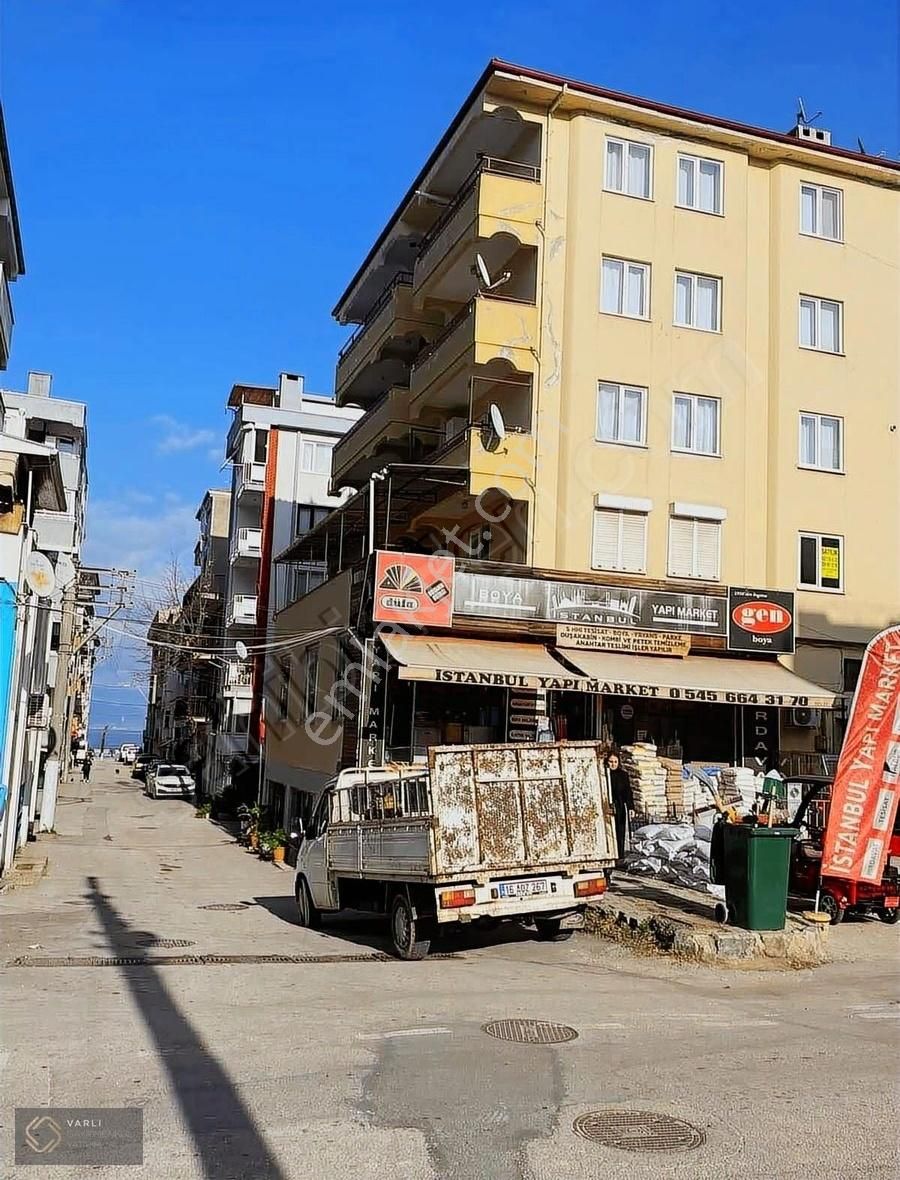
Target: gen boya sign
[[867, 782]]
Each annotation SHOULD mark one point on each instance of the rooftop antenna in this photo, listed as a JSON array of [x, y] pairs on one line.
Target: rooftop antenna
[[861, 146], [485, 281], [804, 120]]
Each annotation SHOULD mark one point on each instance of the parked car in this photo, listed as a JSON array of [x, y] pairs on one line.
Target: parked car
[[127, 753], [139, 767], [167, 778]]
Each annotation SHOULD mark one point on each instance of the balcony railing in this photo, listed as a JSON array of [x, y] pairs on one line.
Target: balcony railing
[[6, 315], [403, 279], [246, 542], [486, 164], [242, 609], [251, 477], [238, 675], [460, 318]]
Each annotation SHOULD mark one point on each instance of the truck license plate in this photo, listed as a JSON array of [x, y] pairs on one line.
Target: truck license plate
[[522, 888], [891, 903]]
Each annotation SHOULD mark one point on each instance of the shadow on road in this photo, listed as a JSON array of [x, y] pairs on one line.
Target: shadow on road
[[227, 1143]]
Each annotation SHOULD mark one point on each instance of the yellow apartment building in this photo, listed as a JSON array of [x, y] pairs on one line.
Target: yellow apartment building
[[605, 342]]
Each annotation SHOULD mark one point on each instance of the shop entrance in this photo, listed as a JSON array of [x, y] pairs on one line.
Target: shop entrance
[[689, 731]]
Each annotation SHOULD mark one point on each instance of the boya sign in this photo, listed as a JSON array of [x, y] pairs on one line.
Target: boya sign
[[760, 620]]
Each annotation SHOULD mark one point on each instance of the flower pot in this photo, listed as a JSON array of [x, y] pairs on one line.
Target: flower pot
[[254, 841], [278, 855]]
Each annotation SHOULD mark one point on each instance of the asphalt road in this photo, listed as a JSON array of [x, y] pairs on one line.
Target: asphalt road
[[356, 1066]]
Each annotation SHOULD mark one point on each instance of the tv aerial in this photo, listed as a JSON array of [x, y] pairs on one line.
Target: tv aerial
[[485, 281], [493, 427], [40, 577], [804, 120], [241, 650], [65, 571]]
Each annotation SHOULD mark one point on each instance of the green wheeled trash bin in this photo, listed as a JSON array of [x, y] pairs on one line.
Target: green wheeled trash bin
[[755, 862]]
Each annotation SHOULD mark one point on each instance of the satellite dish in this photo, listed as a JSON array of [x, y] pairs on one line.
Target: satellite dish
[[39, 576], [496, 419], [65, 571], [241, 650], [485, 282]]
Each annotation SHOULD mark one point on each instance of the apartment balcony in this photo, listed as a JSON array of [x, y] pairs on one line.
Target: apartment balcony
[[242, 610], [246, 545], [237, 679], [381, 350], [505, 463], [495, 213], [384, 435], [229, 744], [251, 479], [501, 333], [6, 319]]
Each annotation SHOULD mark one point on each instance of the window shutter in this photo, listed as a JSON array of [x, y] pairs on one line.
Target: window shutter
[[634, 542], [707, 534], [681, 547], [605, 553]]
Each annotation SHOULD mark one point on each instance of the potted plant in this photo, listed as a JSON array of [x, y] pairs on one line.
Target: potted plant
[[253, 832], [203, 810], [265, 845], [278, 840]]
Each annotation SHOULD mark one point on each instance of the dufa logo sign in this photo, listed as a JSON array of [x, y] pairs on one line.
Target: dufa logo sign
[[413, 588], [760, 620]]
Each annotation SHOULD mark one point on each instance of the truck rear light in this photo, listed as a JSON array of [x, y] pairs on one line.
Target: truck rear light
[[590, 887], [452, 899]]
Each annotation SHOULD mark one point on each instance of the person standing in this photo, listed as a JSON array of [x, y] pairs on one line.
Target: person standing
[[86, 766], [622, 798]]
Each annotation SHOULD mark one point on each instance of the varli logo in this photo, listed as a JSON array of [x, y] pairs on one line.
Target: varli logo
[[43, 1134]]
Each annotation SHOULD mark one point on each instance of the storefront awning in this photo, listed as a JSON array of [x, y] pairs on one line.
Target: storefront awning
[[709, 679], [473, 661], [703, 679]]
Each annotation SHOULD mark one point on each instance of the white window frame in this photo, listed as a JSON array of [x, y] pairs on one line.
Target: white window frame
[[622, 387], [694, 275], [694, 398], [640, 512], [695, 519], [819, 189], [315, 444], [818, 538], [818, 300], [625, 263], [839, 470], [626, 146], [697, 161]]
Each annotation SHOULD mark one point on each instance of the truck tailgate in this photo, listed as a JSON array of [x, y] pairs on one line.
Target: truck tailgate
[[519, 807]]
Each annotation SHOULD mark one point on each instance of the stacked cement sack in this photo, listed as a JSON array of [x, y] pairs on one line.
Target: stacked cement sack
[[647, 776], [678, 853], [674, 786], [739, 786]]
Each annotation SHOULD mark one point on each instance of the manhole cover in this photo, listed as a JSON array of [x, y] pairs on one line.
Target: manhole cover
[[226, 907], [170, 942], [638, 1130], [530, 1032]]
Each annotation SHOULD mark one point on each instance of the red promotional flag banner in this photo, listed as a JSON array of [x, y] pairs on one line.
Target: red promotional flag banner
[[867, 782]]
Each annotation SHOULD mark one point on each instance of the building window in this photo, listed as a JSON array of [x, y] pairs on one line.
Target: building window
[[316, 457], [700, 184], [479, 544], [851, 671], [621, 413], [821, 324], [619, 540], [260, 445], [821, 212], [695, 424], [821, 442], [625, 288], [694, 547], [66, 445], [697, 301], [821, 562], [310, 681], [628, 168], [306, 517]]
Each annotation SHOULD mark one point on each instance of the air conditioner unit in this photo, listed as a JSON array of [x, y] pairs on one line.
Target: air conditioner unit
[[454, 426], [804, 718]]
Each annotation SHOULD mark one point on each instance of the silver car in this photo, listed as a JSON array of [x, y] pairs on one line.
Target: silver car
[[169, 779]]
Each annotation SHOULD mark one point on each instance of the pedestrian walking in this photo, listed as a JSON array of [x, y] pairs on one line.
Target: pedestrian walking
[[622, 797], [86, 767]]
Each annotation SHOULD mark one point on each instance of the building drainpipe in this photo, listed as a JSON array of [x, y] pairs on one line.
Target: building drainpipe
[[263, 586]]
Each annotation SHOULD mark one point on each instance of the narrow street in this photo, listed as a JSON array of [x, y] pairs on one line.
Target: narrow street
[[350, 1065]]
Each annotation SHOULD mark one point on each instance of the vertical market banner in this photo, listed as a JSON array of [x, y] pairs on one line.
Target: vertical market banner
[[867, 782]]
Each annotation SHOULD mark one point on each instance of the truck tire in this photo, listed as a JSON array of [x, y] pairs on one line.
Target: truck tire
[[407, 931], [889, 916], [549, 930], [307, 914]]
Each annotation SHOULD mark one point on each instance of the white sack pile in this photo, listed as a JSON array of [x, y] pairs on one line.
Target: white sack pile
[[678, 853], [647, 776]]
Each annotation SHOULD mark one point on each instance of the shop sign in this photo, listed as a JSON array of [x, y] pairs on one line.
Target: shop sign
[[414, 589], [760, 620], [646, 643], [760, 735], [866, 786], [525, 714], [633, 608]]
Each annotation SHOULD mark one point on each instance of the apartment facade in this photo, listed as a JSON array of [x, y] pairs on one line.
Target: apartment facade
[[632, 350], [12, 258], [279, 446]]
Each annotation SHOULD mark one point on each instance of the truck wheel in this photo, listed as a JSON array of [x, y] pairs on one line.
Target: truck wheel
[[889, 916], [407, 931], [549, 930], [307, 914], [831, 906]]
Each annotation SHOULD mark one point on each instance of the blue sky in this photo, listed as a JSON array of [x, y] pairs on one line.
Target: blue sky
[[197, 180]]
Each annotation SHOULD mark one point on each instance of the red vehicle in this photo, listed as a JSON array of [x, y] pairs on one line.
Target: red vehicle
[[837, 896]]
